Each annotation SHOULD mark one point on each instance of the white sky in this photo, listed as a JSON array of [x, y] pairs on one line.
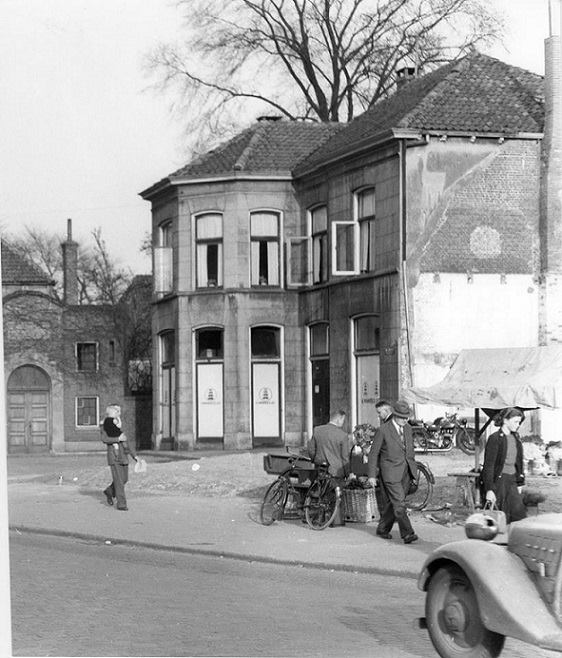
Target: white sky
[[80, 134]]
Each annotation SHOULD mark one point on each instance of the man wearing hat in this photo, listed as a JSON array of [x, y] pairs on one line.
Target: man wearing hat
[[392, 462]]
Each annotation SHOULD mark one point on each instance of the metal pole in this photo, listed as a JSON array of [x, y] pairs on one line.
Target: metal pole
[[5, 591]]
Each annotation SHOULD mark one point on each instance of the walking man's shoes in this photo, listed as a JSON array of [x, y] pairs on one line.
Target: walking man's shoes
[[408, 539], [124, 509], [384, 535], [108, 498]]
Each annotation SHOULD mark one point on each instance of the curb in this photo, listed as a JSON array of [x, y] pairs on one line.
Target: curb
[[326, 566]]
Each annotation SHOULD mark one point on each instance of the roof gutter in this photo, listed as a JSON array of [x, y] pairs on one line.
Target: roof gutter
[[171, 182]]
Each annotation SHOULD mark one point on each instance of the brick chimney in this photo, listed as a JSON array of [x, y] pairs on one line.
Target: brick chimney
[[404, 75], [70, 267]]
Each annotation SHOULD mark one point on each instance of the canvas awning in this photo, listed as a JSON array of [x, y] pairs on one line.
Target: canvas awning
[[526, 377]]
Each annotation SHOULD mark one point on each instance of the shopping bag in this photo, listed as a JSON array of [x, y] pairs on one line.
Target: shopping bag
[[490, 509], [140, 466]]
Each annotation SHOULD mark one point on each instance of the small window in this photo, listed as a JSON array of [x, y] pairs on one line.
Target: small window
[[208, 232], [264, 236], [167, 348], [365, 215], [111, 352], [319, 340], [318, 218], [86, 357], [209, 343], [87, 412], [265, 342], [367, 334], [344, 248], [163, 256]]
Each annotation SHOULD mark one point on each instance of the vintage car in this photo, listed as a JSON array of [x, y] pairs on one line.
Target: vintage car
[[479, 592]]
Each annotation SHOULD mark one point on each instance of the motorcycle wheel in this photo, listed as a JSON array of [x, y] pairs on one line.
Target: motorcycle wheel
[[453, 618], [420, 437], [465, 439]]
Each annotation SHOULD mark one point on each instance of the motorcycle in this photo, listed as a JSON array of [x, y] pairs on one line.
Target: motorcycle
[[444, 433]]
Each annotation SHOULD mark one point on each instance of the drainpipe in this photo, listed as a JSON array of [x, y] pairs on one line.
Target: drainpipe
[[403, 271]]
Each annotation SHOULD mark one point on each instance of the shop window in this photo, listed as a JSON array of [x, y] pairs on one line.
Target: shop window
[[266, 342], [209, 343]]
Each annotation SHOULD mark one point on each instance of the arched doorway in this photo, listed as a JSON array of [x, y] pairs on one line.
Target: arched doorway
[[29, 410]]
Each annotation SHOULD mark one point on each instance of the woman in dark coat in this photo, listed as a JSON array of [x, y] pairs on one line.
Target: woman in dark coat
[[502, 472]]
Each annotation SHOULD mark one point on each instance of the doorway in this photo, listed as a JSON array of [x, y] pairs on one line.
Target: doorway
[[28, 411]]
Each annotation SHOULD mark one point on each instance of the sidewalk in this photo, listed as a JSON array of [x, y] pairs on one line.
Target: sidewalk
[[224, 527]]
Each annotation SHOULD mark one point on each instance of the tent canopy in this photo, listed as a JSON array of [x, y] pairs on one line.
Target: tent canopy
[[526, 377]]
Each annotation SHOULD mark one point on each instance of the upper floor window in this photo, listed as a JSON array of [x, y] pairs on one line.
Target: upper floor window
[[264, 236], [163, 259], [86, 411], [318, 219], [87, 357], [208, 237], [365, 215], [167, 348]]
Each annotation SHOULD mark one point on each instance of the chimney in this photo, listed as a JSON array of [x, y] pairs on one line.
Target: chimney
[[404, 75], [70, 267]]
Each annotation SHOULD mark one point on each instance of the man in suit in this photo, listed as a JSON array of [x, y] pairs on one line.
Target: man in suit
[[392, 461]]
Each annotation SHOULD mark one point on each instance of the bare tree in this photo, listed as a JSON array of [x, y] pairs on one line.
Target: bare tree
[[326, 60], [100, 279]]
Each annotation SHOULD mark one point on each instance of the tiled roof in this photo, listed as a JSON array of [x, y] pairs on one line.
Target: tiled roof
[[476, 94], [266, 147], [18, 270]]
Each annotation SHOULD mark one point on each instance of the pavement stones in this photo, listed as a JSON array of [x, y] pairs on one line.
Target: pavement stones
[[225, 527]]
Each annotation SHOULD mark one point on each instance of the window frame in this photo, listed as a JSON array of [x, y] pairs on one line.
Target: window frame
[[97, 412], [367, 224], [207, 242], [266, 239], [163, 259], [97, 355], [321, 238]]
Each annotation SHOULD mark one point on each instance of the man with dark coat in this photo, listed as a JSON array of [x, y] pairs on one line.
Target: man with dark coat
[[329, 443], [392, 461]]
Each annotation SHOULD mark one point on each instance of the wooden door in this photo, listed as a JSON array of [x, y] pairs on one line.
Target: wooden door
[[28, 411]]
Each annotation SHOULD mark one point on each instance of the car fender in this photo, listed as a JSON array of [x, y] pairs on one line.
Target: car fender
[[508, 599]]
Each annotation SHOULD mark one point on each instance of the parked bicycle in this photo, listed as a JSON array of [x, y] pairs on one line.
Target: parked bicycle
[[301, 489], [425, 480], [444, 433]]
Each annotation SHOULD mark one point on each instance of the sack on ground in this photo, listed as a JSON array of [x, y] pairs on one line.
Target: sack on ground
[[140, 466], [490, 509]]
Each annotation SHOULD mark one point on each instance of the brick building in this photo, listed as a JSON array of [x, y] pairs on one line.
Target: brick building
[[300, 267], [63, 362]]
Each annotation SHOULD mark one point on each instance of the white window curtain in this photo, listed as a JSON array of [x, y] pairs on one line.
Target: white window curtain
[[264, 224], [366, 202], [209, 226]]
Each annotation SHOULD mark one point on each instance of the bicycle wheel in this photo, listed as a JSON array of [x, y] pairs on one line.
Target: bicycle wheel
[[420, 499], [321, 504], [466, 440], [274, 502]]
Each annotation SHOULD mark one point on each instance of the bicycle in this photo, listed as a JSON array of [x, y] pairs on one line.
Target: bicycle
[[425, 480], [323, 499], [321, 493]]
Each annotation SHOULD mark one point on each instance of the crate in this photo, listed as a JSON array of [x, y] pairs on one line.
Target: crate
[[274, 464], [360, 505]]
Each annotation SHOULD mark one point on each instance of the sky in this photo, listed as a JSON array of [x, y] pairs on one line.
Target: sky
[[82, 133]]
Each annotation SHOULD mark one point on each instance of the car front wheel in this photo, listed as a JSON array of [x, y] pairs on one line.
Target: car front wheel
[[453, 618]]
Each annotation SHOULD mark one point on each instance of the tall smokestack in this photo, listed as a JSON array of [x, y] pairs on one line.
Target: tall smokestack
[[70, 267], [551, 179]]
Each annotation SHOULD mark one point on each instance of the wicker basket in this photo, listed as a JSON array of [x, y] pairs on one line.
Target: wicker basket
[[360, 505]]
